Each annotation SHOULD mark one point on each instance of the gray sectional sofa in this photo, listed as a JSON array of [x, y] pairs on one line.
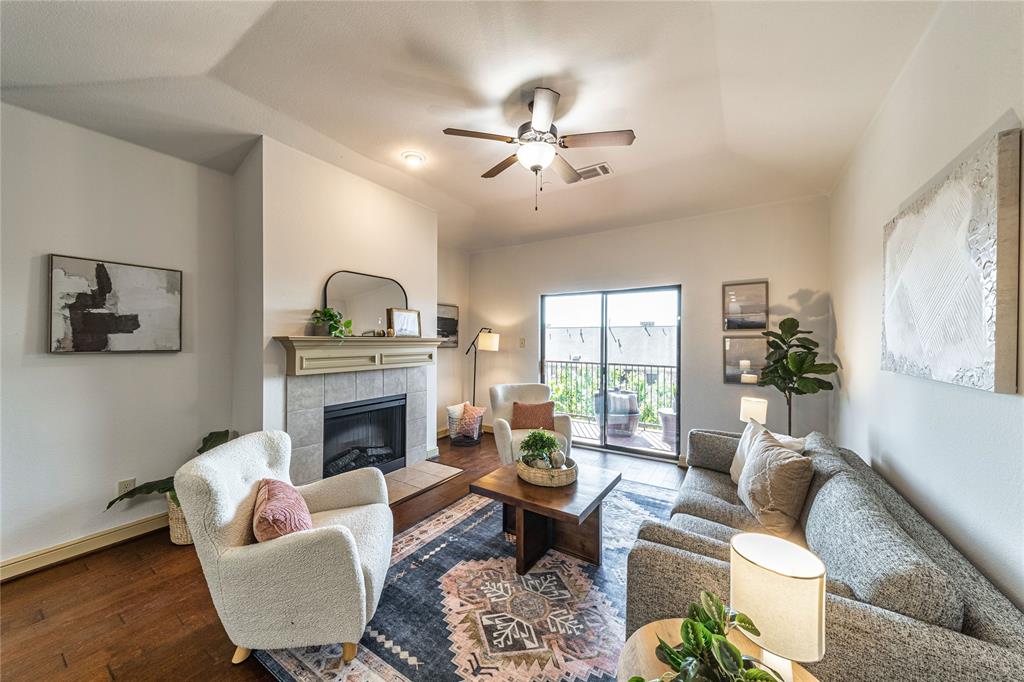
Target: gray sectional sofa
[[903, 604]]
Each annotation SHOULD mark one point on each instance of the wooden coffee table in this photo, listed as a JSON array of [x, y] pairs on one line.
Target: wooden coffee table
[[567, 518]]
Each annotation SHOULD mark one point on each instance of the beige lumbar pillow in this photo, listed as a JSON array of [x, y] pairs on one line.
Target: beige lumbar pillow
[[747, 440], [773, 483]]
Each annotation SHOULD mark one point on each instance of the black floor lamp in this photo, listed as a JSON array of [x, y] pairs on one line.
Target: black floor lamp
[[485, 339]]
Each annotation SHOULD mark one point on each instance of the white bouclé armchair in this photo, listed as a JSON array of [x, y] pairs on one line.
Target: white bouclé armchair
[[312, 587], [506, 438]]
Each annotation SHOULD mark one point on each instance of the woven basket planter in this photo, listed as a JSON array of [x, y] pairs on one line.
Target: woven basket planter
[[176, 522], [549, 478]]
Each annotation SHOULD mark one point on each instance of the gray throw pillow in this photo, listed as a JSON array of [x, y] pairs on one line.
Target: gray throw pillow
[[773, 483]]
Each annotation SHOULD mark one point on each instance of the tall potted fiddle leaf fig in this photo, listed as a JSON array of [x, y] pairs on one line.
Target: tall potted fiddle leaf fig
[[792, 363]]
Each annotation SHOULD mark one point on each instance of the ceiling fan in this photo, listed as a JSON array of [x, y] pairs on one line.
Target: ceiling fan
[[538, 140]]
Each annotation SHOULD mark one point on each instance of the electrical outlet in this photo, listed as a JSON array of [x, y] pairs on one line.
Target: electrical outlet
[[522, 342], [125, 485]]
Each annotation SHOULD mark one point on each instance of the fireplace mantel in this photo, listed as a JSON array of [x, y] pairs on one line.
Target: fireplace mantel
[[329, 355]]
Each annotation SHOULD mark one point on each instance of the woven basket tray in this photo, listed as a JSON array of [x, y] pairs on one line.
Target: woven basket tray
[[549, 478]]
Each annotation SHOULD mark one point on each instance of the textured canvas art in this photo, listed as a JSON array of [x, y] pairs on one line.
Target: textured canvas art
[[950, 268], [102, 307]]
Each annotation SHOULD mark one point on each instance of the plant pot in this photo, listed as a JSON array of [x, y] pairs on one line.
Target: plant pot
[[180, 534], [321, 330]]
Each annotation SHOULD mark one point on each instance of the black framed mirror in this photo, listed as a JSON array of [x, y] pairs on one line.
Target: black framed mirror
[[364, 299]]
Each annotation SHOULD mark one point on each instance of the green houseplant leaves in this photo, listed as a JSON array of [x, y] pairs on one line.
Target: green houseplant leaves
[[791, 361], [704, 653], [332, 319], [537, 446]]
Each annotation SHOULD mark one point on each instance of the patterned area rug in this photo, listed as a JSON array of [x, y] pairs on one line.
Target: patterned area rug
[[453, 607]]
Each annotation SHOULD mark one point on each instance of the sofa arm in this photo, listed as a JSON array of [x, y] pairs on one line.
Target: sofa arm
[[503, 440], [563, 425], [350, 489], [711, 449], [300, 589], [680, 538]]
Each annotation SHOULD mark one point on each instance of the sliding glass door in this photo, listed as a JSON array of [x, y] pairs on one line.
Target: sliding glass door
[[612, 361]]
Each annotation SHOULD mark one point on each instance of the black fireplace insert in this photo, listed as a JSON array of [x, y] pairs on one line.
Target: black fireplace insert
[[365, 433]]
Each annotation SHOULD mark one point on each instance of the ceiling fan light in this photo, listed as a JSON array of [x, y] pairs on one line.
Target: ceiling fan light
[[535, 156]]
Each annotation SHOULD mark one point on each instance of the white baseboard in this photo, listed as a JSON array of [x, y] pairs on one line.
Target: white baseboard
[[442, 433], [33, 561]]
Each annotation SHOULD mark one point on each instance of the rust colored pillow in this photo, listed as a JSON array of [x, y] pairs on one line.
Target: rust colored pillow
[[280, 509], [467, 424], [533, 415]]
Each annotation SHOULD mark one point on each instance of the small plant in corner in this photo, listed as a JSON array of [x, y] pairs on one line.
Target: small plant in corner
[[792, 359], [705, 654], [330, 320], [536, 449]]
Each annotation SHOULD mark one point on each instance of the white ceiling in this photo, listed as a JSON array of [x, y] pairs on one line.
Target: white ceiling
[[733, 104]]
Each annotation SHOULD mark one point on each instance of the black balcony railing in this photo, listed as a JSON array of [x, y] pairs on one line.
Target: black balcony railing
[[576, 387]]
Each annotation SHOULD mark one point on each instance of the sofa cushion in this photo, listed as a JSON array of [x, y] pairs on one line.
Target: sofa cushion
[[864, 547], [671, 536], [712, 496], [367, 523], [696, 524], [279, 510], [773, 484], [747, 442]]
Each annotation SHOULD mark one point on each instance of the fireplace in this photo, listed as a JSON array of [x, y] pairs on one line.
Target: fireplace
[[364, 433]]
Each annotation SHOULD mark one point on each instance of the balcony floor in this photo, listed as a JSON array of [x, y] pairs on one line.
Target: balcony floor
[[647, 437]]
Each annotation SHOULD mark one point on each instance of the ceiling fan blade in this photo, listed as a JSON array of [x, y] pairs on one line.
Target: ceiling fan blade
[[565, 170], [478, 135], [612, 138], [544, 102], [500, 167]]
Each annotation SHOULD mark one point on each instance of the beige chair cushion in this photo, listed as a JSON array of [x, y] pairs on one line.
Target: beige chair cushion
[[773, 484]]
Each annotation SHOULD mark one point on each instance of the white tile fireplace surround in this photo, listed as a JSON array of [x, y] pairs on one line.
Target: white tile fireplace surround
[[308, 395]]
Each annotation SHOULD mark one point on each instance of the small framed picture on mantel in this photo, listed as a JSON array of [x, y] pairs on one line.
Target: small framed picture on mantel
[[404, 322]]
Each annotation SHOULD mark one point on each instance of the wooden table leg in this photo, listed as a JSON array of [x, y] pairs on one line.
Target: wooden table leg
[[532, 538], [583, 540], [508, 518]]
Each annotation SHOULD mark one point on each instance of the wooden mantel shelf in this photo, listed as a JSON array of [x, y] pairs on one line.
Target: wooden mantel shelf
[[328, 354]]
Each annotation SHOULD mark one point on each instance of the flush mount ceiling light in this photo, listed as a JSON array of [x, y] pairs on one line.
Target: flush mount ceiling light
[[413, 159]]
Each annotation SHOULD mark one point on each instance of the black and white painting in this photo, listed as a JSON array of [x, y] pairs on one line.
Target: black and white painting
[[745, 305], [743, 358], [950, 272], [448, 325], [107, 307]]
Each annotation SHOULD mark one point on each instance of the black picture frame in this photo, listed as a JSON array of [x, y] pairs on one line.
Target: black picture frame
[[51, 311], [447, 326], [754, 349], [749, 316]]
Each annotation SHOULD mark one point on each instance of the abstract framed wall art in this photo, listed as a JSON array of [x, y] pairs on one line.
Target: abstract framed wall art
[[745, 306], [448, 325], [743, 359], [950, 267], [100, 306]]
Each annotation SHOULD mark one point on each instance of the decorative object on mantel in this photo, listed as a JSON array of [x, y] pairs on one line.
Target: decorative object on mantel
[[486, 340], [101, 306], [791, 361], [328, 322], [745, 305], [448, 325], [542, 463], [404, 321], [180, 534], [951, 263], [364, 299], [326, 355]]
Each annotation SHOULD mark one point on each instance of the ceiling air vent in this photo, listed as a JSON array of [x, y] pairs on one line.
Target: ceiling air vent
[[598, 170]]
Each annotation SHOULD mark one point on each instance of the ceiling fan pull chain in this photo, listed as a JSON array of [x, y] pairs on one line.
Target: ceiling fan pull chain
[[536, 185]]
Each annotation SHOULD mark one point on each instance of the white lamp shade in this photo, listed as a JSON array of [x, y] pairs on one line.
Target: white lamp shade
[[781, 587], [753, 408], [536, 155], [487, 341]]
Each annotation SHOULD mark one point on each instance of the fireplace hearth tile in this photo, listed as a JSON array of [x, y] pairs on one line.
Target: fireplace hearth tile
[[416, 406], [369, 384], [305, 392], [416, 379], [339, 388], [394, 381], [306, 427], [416, 432], [415, 453], [307, 464]]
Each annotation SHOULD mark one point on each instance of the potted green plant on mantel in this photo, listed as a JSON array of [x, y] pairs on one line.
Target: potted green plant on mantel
[[792, 359], [329, 322], [180, 534], [705, 654]]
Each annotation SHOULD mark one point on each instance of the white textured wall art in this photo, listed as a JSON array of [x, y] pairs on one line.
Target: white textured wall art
[[950, 267]]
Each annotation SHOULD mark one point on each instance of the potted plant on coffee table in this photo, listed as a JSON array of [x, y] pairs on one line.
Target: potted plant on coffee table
[[541, 462]]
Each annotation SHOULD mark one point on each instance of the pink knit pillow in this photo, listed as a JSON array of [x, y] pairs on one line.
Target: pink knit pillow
[[533, 415], [280, 509], [469, 421]]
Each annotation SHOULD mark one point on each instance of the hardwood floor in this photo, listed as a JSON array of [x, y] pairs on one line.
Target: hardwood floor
[[141, 610]]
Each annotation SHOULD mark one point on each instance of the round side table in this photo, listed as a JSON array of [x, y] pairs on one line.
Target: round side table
[[638, 658]]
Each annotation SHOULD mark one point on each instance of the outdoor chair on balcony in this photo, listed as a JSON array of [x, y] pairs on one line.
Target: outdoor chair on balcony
[[508, 439]]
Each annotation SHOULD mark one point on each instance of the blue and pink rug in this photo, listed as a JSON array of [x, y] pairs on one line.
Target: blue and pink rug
[[454, 609]]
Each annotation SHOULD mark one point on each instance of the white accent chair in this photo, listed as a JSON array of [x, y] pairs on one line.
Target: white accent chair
[[312, 587], [507, 439]]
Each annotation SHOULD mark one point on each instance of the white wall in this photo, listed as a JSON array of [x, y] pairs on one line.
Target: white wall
[[75, 424], [317, 219], [957, 454], [453, 372], [786, 243]]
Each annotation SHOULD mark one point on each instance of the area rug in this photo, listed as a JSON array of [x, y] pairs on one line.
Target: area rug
[[453, 607]]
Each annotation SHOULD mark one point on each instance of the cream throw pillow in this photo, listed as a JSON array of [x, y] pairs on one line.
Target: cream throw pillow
[[773, 483], [747, 440]]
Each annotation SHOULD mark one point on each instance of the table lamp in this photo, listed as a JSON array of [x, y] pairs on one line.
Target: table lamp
[[754, 408], [781, 587], [487, 340]]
